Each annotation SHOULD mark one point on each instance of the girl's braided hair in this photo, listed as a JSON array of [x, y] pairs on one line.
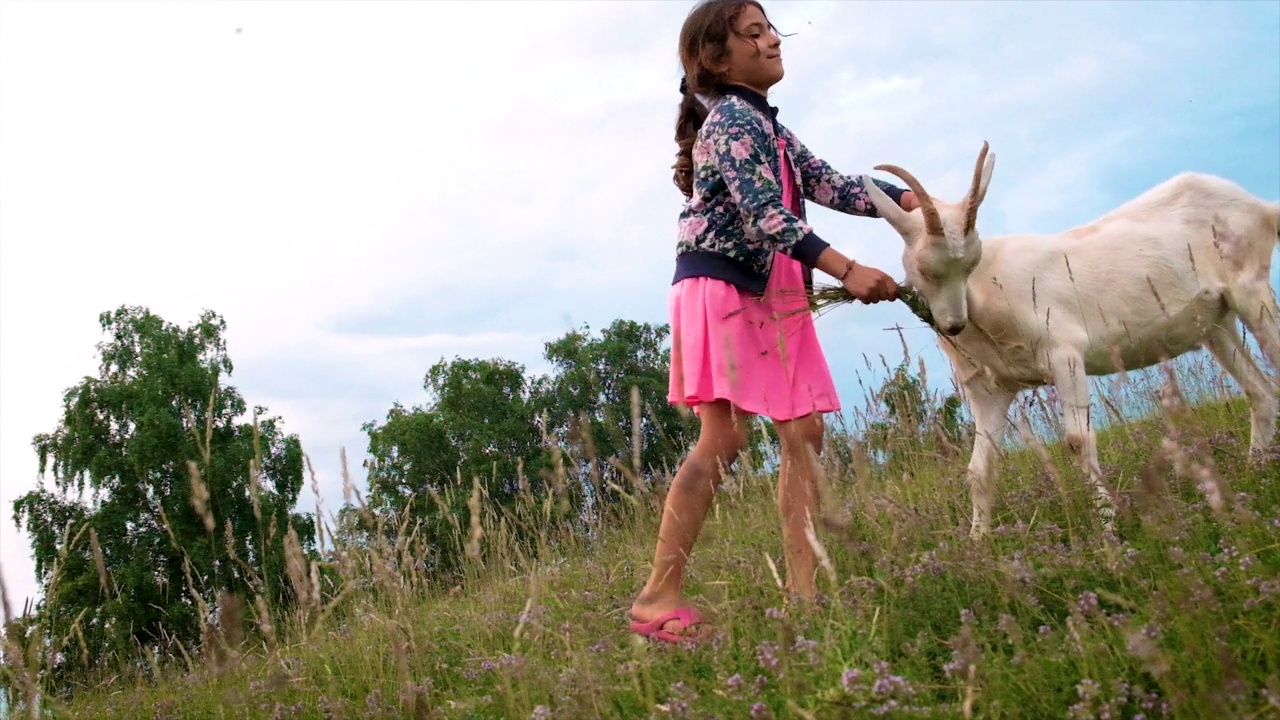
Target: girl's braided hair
[[704, 45]]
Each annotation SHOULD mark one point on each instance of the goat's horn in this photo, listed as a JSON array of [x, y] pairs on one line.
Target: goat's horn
[[971, 200], [932, 221]]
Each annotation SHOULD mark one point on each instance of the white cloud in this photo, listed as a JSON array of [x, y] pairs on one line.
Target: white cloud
[[361, 189], [1034, 206]]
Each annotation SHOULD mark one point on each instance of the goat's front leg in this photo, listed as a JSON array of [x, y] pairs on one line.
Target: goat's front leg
[[1073, 391], [990, 409]]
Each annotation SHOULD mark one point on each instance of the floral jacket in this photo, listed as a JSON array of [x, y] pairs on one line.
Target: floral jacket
[[735, 220]]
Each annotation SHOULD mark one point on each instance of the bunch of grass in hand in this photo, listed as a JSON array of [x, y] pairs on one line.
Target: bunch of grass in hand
[[825, 297]]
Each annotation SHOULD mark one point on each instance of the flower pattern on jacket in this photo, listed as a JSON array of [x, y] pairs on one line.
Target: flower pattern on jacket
[[737, 207]]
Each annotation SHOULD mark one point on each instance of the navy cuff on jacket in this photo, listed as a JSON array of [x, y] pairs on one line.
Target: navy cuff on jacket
[[808, 249]]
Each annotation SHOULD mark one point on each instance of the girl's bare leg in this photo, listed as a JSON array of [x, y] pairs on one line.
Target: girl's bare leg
[[723, 436], [798, 498]]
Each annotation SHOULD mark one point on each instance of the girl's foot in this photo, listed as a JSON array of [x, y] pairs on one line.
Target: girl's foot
[[672, 623], [807, 595]]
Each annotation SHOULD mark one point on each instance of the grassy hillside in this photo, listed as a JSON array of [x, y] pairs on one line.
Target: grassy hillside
[[1176, 616]]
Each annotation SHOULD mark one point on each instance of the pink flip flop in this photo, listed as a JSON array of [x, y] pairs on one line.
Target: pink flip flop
[[688, 618]]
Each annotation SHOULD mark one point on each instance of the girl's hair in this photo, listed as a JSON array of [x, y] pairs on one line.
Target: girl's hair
[[704, 43]]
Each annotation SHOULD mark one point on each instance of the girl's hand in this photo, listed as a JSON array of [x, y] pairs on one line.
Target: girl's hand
[[869, 284], [909, 201]]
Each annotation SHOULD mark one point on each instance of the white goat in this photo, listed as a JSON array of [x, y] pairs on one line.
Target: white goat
[[1168, 272]]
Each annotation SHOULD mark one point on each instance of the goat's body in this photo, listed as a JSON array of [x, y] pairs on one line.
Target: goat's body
[[1140, 285], [1167, 272], [1164, 274]]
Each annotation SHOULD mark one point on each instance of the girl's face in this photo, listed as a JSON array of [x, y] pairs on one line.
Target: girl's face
[[755, 52]]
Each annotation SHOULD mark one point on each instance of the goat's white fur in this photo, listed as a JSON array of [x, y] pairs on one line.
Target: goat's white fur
[[1166, 273]]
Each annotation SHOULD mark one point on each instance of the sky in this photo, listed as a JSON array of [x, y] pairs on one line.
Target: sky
[[362, 189]]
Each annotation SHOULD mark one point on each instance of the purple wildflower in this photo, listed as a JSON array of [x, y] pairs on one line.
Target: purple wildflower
[[809, 648], [764, 654], [849, 679]]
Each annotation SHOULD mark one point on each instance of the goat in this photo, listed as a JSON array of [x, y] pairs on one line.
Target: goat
[[1163, 274]]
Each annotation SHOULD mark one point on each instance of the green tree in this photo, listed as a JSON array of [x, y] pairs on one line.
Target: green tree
[[485, 410], [413, 470], [913, 417], [588, 403], [478, 426], [154, 484], [409, 452]]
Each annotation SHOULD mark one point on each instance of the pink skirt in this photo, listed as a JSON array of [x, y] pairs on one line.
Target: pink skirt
[[760, 354]]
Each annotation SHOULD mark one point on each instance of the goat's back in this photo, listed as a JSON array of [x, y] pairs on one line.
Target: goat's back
[[1146, 279], [1200, 200]]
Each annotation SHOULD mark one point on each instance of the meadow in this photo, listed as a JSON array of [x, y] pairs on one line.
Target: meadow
[[1175, 615]]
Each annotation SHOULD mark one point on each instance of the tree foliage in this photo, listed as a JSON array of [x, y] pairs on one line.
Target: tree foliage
[[485, 408], [151, 494], [571, 432], [588, 403], [913, 418], [476, 428]]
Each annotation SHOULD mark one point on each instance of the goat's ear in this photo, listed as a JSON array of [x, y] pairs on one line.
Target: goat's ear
[[900, 219]]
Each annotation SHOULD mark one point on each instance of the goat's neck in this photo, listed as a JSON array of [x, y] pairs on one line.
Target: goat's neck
[[982, 288], [992, 338]]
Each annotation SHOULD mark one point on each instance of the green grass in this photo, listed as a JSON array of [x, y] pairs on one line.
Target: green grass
[[1177, 615]]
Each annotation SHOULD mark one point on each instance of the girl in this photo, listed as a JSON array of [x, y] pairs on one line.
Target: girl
[[743, 343]]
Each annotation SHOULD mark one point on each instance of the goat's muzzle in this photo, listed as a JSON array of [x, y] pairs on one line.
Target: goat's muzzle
[[952, 329]]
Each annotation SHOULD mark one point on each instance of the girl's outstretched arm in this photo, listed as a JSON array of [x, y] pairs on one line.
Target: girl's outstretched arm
[[732, 144], [830, 189]]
